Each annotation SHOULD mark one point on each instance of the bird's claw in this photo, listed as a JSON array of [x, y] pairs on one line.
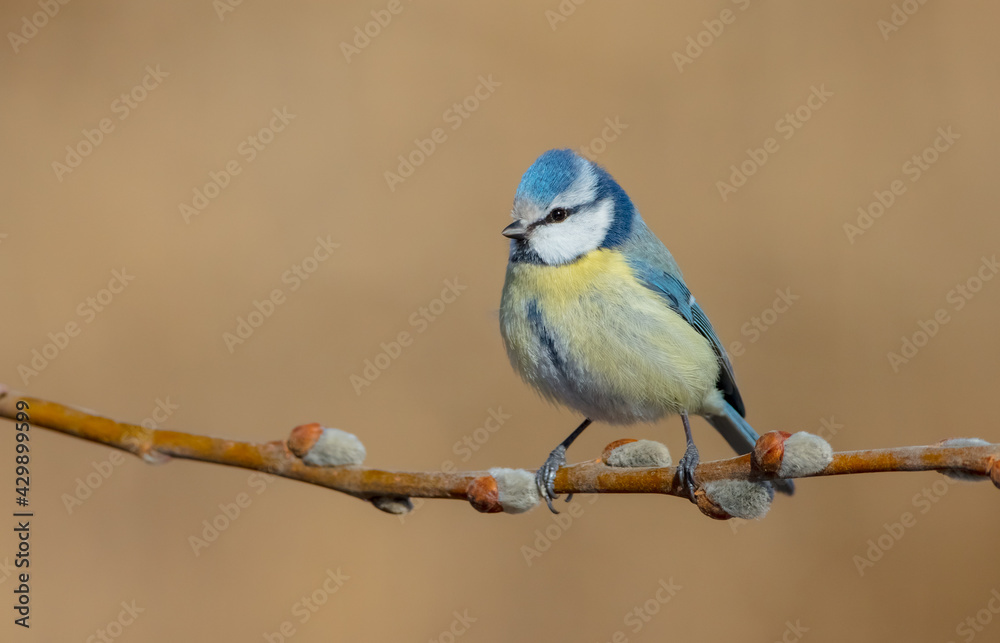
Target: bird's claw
[[686, 467], [545, 478]]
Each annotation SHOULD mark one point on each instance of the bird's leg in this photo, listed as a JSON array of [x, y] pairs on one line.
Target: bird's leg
[[545, 478], [687, 465]]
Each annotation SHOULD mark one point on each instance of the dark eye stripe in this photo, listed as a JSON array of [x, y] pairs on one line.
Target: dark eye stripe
[[549, 219]]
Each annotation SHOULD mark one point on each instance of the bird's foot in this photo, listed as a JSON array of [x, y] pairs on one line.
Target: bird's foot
[[686, 467], [545, 478]]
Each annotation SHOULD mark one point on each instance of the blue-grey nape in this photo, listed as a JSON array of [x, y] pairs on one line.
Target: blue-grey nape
[[625, 212]]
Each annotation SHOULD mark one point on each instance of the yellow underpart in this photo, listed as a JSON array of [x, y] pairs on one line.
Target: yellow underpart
[[623, 334]]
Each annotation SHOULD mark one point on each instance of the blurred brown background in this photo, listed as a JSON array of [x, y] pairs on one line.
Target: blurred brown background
[[822, 365]]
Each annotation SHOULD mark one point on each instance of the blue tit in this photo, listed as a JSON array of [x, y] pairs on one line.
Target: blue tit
[[595, 315]]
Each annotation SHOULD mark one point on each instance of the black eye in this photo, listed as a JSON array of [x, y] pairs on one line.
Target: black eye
[[557, 215]]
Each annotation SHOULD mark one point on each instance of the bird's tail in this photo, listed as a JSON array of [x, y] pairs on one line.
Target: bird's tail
[[742, 438]]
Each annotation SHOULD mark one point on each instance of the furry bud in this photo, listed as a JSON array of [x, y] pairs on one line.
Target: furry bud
[[740, 498], [636, 453], [517, 491], [805, 454], [323, 447]]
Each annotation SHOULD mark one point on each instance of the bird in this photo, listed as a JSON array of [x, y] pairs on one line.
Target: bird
[[596, 316]]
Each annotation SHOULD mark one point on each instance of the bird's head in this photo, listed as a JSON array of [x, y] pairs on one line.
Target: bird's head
[[567, 207]]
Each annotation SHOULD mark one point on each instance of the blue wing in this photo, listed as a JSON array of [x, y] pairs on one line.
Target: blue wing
[[679, 298]]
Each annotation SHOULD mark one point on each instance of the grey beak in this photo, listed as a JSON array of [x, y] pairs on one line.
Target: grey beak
[[516, 230]]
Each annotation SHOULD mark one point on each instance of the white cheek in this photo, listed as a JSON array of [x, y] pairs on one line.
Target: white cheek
[[581, 233]]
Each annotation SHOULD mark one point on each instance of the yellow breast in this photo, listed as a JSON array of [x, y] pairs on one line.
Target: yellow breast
[[620, 340]]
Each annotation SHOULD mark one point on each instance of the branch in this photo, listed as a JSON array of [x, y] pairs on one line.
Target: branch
[[327, 458]]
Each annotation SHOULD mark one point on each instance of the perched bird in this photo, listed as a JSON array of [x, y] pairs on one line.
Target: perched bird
[[595, 315]]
